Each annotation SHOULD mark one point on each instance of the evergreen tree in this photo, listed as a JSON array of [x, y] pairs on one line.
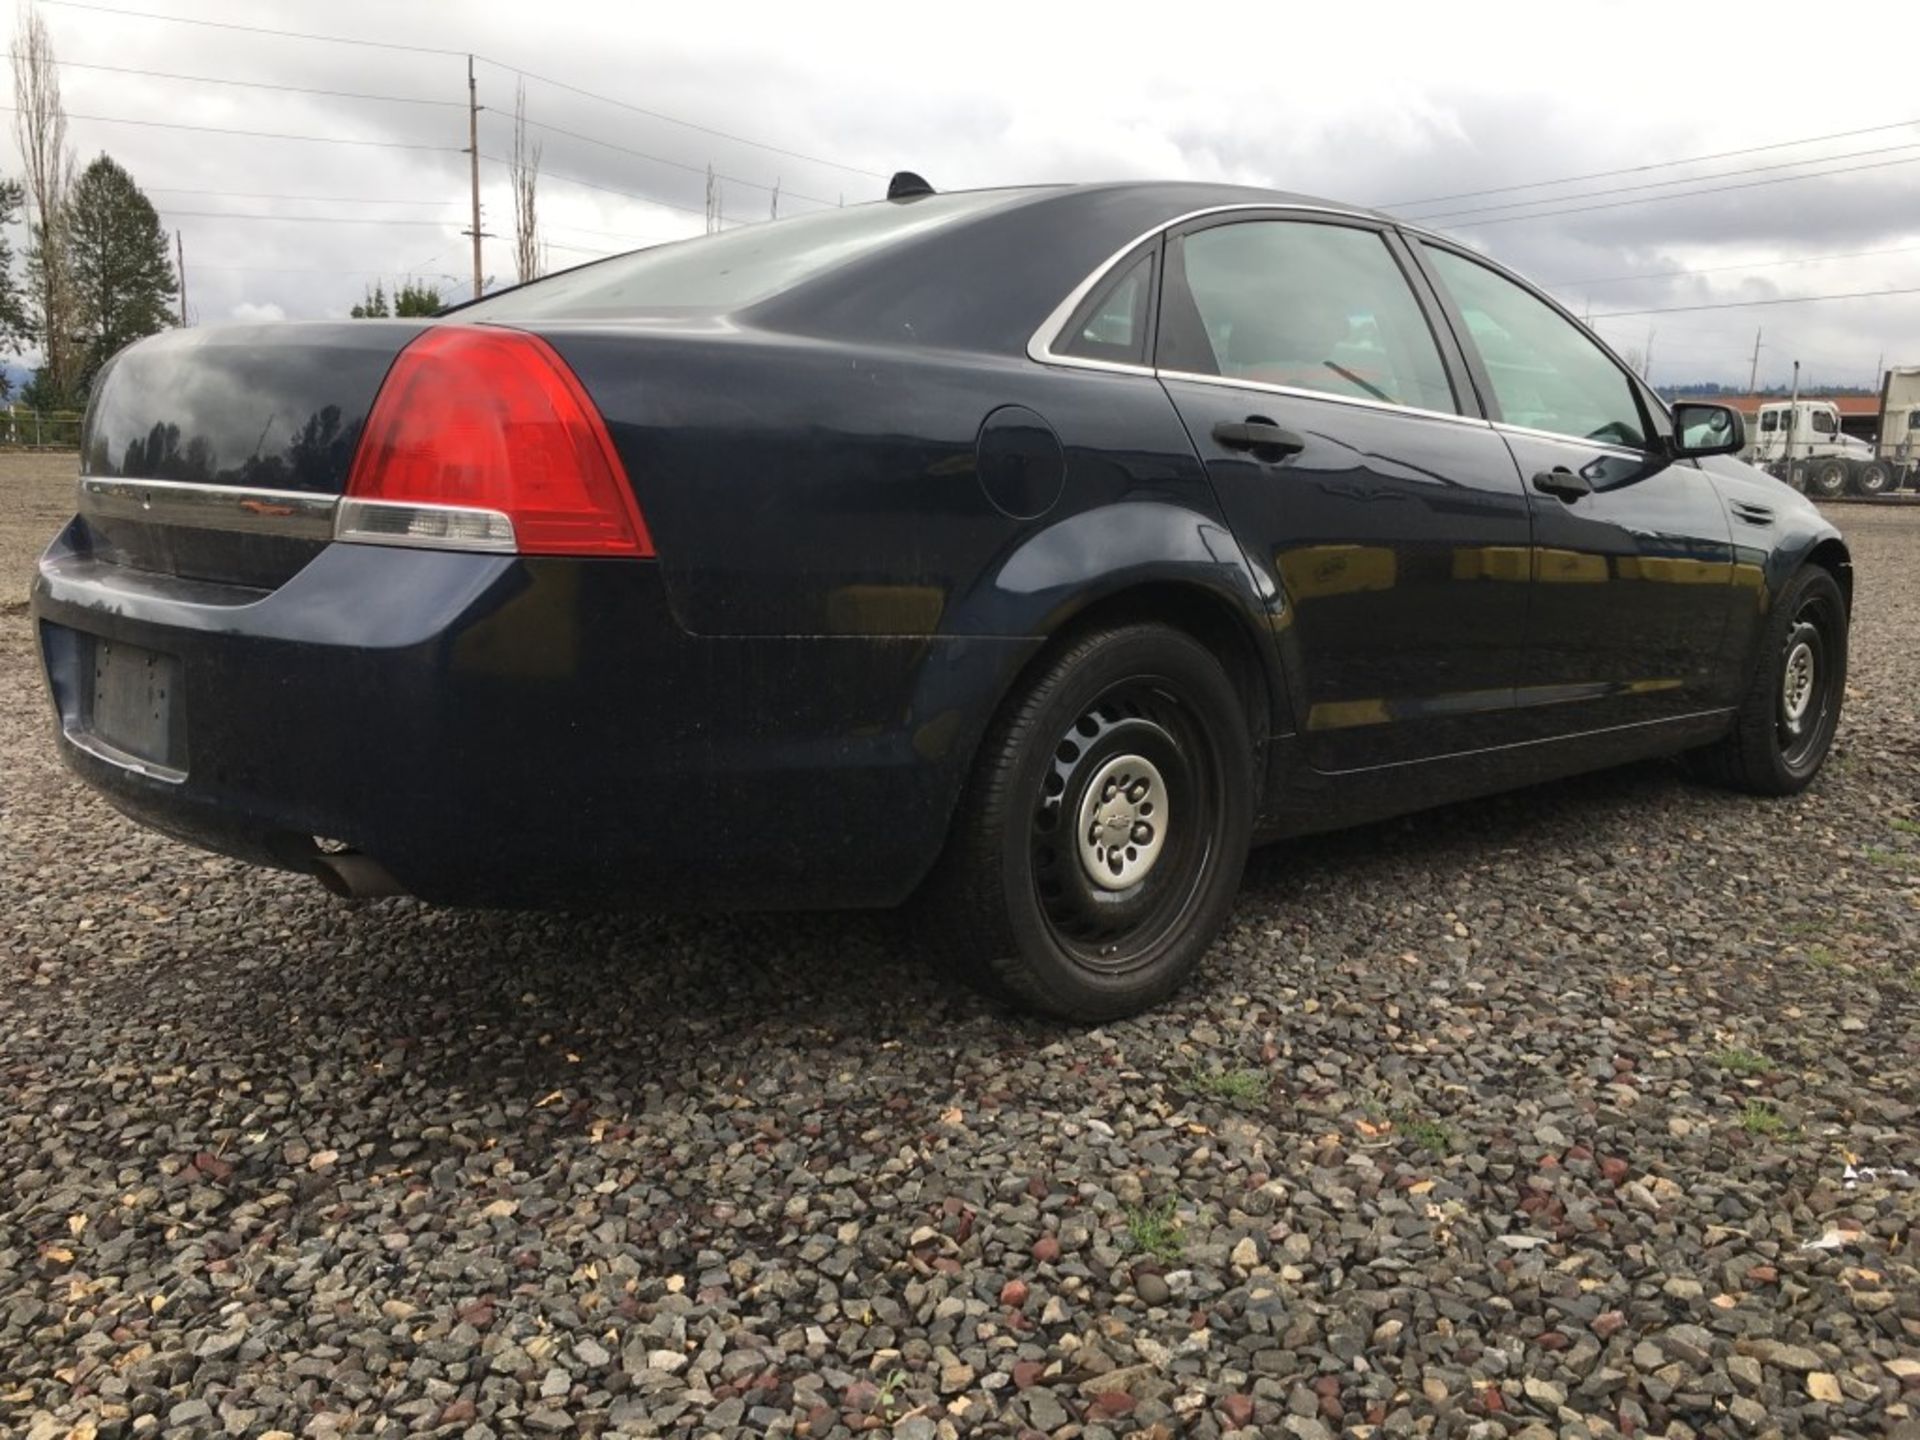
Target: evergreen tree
[[15, 324], [119, 263], [410, 298], [416, 298]]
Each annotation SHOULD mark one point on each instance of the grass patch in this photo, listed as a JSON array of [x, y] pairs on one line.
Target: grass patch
[[1156, 1231], [1742, 1062], [1430, 1135], [1880, 855], [1822, 957], [1907, 827], [889, 1389], [1237, 1086], [1760, 1118]]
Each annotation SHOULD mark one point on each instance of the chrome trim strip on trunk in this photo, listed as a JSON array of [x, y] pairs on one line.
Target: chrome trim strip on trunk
[[298, 514]]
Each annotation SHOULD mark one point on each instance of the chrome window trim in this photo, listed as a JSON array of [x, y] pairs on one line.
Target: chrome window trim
[[1625, 452], [1235, 382], [1040, 345], [298, 514]]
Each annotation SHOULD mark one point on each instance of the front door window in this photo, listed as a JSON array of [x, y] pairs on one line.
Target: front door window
[[1546, 374]]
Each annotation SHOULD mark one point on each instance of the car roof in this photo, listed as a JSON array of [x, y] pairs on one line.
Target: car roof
[[986, 282]]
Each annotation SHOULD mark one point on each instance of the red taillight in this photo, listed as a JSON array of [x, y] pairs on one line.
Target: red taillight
[[483, 439]]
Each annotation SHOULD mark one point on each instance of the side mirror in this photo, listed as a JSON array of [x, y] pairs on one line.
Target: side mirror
[[1706, 430]]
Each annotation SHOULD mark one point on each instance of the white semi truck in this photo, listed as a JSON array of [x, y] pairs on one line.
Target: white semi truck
[[1800, 441], [1896, 458]]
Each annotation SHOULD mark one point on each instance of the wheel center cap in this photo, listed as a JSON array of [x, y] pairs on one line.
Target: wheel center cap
[[1123, 822]]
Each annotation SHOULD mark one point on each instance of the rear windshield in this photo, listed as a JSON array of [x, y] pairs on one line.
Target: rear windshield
[[735, 267]]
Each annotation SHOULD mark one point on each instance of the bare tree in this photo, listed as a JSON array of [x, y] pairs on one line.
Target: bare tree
[[529, 255], [40, 127], [713, 201]]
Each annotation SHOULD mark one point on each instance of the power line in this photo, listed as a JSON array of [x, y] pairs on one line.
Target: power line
[[252, 29], [276, 195], [676, 120], [1666, 184], [252, 84], [596, 185], [1682, 195], [1654, 165], [305, 219], [676, 164], [252, 134], [1749, 304], [497, 64], [1722, 269]]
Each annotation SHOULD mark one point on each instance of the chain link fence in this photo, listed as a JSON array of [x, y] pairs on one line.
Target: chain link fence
[[40, 429]]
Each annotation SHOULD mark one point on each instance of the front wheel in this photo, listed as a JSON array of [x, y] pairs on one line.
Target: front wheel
[[1785, 724], [1827, 478], [1104, 831]]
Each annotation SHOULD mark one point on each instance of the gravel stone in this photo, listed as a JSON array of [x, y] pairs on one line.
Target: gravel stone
[[281, 1166]]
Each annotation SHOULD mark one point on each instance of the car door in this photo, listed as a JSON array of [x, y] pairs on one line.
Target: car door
[[1314, 379], [1633, 553]]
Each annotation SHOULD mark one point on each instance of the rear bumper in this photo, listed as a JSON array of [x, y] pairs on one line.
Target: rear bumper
[[501, 730]]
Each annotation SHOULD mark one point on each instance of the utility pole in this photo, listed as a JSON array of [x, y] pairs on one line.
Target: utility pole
[[1753, 375], [1793, 419], [1646, 363], [1879, 369], [473, 156], [180, 265]]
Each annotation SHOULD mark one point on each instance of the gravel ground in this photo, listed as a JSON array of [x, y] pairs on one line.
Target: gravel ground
[[1531, 1116]]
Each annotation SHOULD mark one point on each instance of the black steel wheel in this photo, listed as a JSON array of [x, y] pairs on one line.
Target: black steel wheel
[[1785, 725], [1101, 840]]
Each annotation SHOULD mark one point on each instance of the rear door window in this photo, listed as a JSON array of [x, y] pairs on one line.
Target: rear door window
[[1113, 325], [1302, 305]]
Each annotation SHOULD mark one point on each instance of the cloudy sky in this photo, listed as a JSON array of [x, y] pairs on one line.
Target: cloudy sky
[[1439, 112]]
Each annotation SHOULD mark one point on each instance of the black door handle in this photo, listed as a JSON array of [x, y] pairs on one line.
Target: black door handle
[[1260, 437], [1562, 482]]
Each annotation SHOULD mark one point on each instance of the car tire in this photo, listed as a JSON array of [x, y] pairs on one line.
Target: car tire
[[1874, 478], [1104, 830], [1785, 724], [1827, 478]]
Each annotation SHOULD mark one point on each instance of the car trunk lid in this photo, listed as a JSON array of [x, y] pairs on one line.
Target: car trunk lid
[[219, 454]]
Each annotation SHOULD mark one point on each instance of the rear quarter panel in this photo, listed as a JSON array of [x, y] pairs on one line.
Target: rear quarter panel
[[825, 489]]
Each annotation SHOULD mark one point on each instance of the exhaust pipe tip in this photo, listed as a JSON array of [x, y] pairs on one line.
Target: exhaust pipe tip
[[354, 876]]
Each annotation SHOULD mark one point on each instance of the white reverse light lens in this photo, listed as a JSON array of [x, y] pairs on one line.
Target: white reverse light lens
[[426, 527]]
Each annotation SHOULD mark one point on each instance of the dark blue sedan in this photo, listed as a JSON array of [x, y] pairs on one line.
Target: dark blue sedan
[[1026, 554]]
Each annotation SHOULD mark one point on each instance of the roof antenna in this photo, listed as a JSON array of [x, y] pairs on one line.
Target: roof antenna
[[906, 185]]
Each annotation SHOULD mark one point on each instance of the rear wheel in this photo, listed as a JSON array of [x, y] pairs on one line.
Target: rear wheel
[[1827, 478], [1874, 478], [1104, 831], [1784, 727]]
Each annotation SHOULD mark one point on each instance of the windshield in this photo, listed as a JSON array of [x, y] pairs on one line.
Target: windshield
[[735, 267]]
